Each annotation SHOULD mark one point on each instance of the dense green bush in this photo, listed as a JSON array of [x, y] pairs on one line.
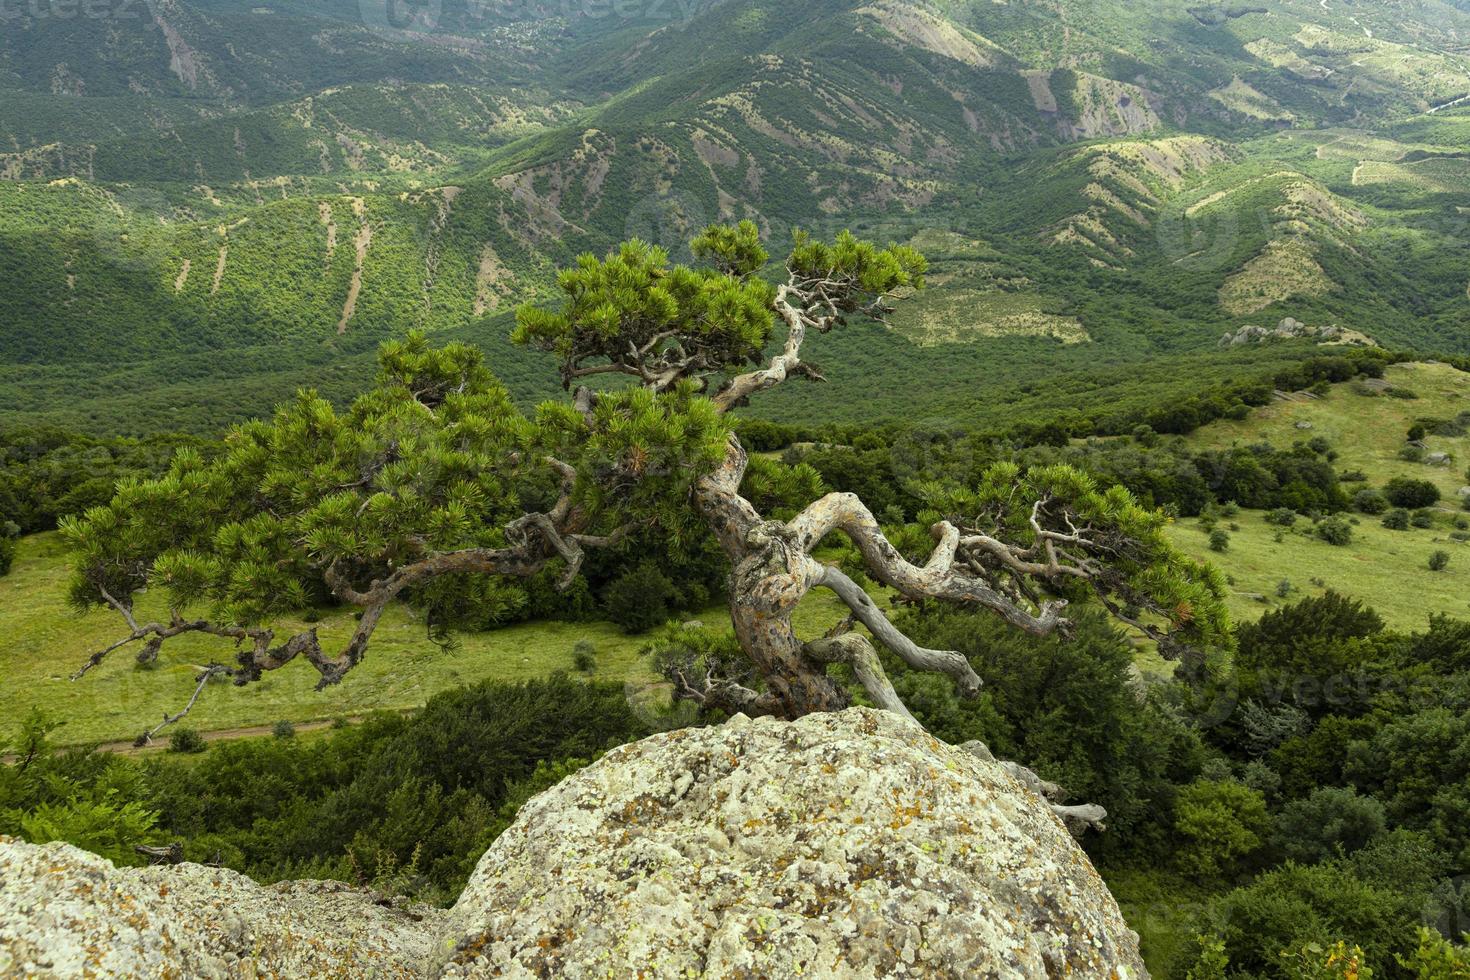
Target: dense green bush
[[411, 801], [640, 599], [186, 741], [1335, 531], [7, 547], [1370, 501], [1220, 823], [1101, 740], [1396, 520], [1411, 494], [1333, 820], [47, 473]]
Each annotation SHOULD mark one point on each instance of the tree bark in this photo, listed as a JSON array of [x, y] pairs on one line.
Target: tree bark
[[768, 579]]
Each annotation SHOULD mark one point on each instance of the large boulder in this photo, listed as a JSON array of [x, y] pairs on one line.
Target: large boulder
[[67, 913], [840, 845]]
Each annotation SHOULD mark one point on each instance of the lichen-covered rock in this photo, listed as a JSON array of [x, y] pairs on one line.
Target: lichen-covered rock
[[840, 845], [67, 913]]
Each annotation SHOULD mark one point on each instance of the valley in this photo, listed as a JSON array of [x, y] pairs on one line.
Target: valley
[[412, 415], [316, 225]]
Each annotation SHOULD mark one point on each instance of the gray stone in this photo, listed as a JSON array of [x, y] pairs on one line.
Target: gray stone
[[840, 845], [67, 913]]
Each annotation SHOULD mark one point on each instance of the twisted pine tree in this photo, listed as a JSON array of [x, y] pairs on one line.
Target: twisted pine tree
[[433, 488]]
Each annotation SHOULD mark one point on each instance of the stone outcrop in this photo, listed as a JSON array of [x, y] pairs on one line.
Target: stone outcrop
[[851, 844], [1294, 329], [67, 913], [841, 845]]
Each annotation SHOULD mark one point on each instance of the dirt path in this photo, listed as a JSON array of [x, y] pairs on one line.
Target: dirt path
[[1450, 105], [160, 744], [363, 241]]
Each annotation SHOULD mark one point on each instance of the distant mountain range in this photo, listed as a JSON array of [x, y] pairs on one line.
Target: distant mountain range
[[196, 182]]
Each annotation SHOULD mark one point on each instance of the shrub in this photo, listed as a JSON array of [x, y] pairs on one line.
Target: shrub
[[1220, 823], [1281, 517], [1396, 520], [1417, 432], [1422, 518], [1331, 819], [1404, 492], [186, 740], [1283, 588], [283, 729], [1335, 531], [1370, 501], [106, 827], [9, 534], [584, 656], [1439, 561], [1219, 540], [640, 599], [1412, 454]]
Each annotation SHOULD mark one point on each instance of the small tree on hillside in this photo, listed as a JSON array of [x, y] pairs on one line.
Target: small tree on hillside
[[433, 485]]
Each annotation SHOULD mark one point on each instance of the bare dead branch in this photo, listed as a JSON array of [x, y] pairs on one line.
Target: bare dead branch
[[854, 650], [210, 672], [948, 662], [939, 578]]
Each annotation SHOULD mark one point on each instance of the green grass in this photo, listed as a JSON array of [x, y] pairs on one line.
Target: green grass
[[1367, 431], [47, 641], [1389, 570]]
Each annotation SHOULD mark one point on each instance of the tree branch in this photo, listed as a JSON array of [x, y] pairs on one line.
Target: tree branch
[[948, 662], [940, 578], [782, 365], [854, 650], [535, 541], [213, 670]]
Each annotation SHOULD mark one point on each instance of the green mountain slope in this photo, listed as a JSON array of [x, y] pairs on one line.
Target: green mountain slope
[[1104, 181]]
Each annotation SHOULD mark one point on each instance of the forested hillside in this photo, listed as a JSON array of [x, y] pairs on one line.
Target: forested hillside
[[232, 191], [402, 406]]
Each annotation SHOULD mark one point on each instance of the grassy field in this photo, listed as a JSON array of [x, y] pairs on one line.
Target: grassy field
[[1388, 569], [47, 641], [1366, 430]]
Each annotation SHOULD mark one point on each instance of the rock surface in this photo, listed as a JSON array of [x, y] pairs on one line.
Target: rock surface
[[840, 845], [67, 913]]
